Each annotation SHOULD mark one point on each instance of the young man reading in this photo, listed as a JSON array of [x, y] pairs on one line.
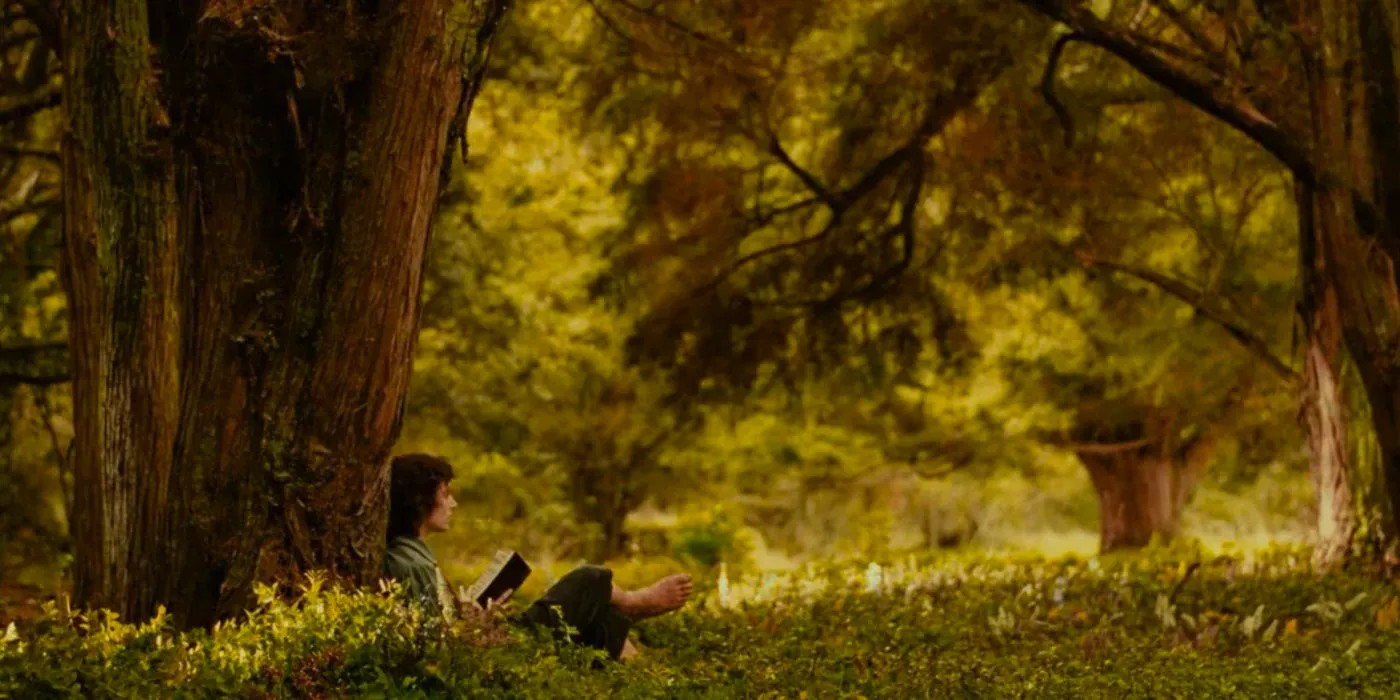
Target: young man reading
[[420, 503]]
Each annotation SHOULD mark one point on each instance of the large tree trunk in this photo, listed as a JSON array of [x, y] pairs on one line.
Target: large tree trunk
[[1142, 489], [1322, 405], [248, 201], [1329, 465], [1349, 280]]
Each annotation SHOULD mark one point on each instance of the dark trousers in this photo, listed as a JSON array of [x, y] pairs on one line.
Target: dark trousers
[[583, 600]]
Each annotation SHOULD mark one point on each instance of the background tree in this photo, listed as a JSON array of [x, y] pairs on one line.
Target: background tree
[[519, 375], [1246, 64], [759, 234], [791, 279], [248, 193]]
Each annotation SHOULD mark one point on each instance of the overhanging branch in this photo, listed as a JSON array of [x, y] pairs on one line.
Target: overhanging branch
[[1233, 109], [1193, 297], [907, 159], [1047, 84]]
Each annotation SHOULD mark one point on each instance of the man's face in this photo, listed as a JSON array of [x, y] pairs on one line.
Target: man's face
[[440, 517]]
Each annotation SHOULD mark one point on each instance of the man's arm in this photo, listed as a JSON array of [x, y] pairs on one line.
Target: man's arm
[[418, 582]]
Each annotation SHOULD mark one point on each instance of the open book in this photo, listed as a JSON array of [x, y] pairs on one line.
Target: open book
[[507, 571]]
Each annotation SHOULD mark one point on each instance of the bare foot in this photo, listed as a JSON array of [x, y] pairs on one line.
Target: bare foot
[[664, 596], [628, 651]]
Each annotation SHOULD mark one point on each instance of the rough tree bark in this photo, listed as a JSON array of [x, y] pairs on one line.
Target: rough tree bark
[[1332, 122], [1323, 412], [1142, 488], [248, 197]]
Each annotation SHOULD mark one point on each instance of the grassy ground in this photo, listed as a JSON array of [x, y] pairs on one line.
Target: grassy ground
[[1151, 626]]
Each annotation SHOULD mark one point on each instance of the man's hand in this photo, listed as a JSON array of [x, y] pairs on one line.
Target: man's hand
[[500, 601], [482, 613], [485, 623]]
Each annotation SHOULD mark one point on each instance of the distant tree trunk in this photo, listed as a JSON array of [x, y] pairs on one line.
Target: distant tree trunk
[[606, 496], [614, 537], [248, 197], [1141, 489], [1357, 112]]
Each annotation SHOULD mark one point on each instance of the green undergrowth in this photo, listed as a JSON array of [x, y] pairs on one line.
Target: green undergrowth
[[1153, 626]]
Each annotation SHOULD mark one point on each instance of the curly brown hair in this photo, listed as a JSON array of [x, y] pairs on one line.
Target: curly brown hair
[[414, 480]]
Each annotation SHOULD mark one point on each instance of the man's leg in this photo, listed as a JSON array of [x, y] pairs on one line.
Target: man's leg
[[584, 598], [664, 596], [600, 612]]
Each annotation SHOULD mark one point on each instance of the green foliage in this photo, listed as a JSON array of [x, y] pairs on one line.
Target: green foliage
[[33, 430], [719, 138], [717, 537], [1159, 625]]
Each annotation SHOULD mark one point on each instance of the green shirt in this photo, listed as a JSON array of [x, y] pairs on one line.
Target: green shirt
[[409, 561]]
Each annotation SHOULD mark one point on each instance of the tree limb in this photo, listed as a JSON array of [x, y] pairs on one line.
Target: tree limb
[[1104, 448], [678, 27], [1185, 293], [1213, 53], [1047, 84], [904, 230], [775, 147], [908, 156], [1236, 111], [36, 365]]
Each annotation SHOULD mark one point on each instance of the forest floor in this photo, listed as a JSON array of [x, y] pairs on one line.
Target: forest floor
[[1138, 626]]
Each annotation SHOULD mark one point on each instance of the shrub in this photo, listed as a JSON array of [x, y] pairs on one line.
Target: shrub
[[716, 537]]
